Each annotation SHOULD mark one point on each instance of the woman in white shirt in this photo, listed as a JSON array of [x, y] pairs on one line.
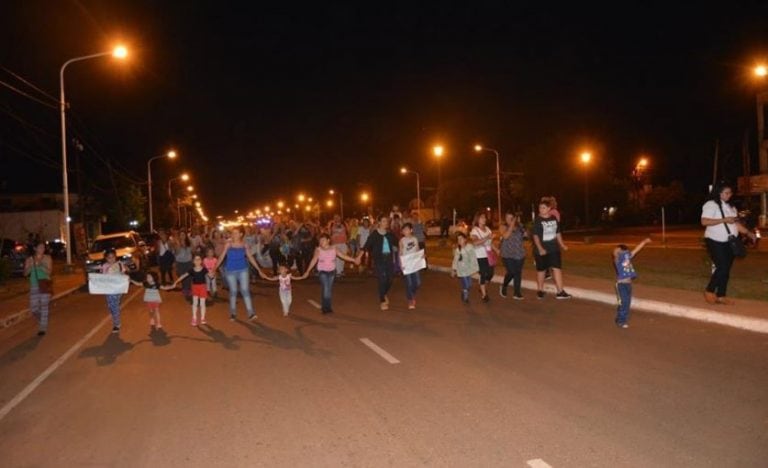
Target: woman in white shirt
[[482, 239], [721, 221]]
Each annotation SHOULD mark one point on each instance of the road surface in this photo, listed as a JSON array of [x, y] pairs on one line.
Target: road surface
[[510, 383]]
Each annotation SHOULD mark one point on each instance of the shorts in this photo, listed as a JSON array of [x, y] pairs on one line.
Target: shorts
[[200, 290], [152, 305], [550, 260]]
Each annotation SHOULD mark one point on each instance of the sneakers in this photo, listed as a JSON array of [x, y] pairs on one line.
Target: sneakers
[[465, 296], [384, 306], [540, 295], [622, 325], [232, 317], [517, 297], [486, 299], [502, 291], [115, 329], [710, 297], [252, 317], [725, 301], [41, 333], [562, 295], [327, 311], [194, 322], [412, 304]]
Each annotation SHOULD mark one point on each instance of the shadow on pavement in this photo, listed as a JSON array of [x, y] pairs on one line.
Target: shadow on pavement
[[21, 349], [281, 339], [107, 353], [218, 336], [159, 337]]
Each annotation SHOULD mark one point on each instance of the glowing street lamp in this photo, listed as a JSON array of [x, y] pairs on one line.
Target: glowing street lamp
[[301, 197], [329, 203], [119, 52], [405, 170], [190, 188], [761, 70], [170, 155], [586, 158], [480, 149], [280, 204]]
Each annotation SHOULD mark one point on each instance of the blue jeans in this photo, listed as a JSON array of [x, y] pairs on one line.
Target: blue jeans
[[113, 303], [466, 285], [233, 278], [384, 273], [412, 284], [326, 288], [624, 295]]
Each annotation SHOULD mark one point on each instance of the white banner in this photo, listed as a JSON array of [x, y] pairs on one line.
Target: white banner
[[107, 284], [413, 262]]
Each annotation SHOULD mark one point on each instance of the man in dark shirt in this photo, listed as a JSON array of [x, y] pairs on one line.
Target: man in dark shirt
[[546, 250]]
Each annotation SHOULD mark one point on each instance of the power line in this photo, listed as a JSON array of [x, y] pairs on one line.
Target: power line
[[31, 85], [17, 90], [36, 158]]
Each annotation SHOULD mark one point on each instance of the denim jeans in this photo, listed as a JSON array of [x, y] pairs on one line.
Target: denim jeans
[[722, 256], [113, 303], [624, 295], [233, 278], [514, 271], [466, 285], [326, 289], [384, 273], [412, 284]]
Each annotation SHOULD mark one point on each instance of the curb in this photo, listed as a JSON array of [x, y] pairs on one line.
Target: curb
[[17, 317], [648, 305]]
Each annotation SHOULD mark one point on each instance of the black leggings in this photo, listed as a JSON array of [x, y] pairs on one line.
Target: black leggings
[[486, 270], [722, 256], [514, 270]]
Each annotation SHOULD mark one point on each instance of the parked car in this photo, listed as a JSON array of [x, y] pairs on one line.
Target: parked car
[[150, 247], [16, 252], [57, 248], [128, 246]]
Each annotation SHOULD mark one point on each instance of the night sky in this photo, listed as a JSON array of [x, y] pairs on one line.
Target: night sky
[[261, 102]]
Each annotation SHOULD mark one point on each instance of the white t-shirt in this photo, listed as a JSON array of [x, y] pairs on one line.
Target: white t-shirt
[[718, 232], [481, 251]]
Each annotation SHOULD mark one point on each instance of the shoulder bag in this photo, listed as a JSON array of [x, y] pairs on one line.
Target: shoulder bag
[[44, 286], [734, 241]]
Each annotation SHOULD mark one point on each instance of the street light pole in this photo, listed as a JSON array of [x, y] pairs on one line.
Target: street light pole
[[170, 155], [586, 157], [418, 188], [479, 148], [119, 52]]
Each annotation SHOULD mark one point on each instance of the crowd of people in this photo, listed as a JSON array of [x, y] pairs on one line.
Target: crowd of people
[[393, 244]]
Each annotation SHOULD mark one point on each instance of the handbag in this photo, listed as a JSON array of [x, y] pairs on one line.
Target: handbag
[[737, 246], [44, 286], [492, 258]]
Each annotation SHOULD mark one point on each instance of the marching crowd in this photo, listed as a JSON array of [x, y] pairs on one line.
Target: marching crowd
[[393, 244]]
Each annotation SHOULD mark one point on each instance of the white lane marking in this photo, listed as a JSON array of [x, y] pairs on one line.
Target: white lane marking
[[52, 368], [314, 303], [378, 350], [538, 463]]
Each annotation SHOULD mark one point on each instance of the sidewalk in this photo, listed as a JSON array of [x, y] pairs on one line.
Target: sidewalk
[[14, 305], [745, 314]]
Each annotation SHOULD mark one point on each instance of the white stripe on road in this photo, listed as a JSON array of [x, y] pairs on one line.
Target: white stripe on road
[[314, 303], [52, 368], [378, 350], [538, 463]]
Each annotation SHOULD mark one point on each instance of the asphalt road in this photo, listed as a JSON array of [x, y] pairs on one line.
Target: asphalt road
[[499, 384]]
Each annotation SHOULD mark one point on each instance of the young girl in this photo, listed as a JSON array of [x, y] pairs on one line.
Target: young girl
[[152, 297], [464, 265], [284, 276], [409, 244], [482, 239], [199, 275], [112, 267], [209, 262], [325, 259]]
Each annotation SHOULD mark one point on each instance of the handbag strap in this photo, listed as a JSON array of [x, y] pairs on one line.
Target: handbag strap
[[720, 205]]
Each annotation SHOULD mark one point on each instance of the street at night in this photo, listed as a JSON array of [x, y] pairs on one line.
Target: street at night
[[486, 234], [480, 385]]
